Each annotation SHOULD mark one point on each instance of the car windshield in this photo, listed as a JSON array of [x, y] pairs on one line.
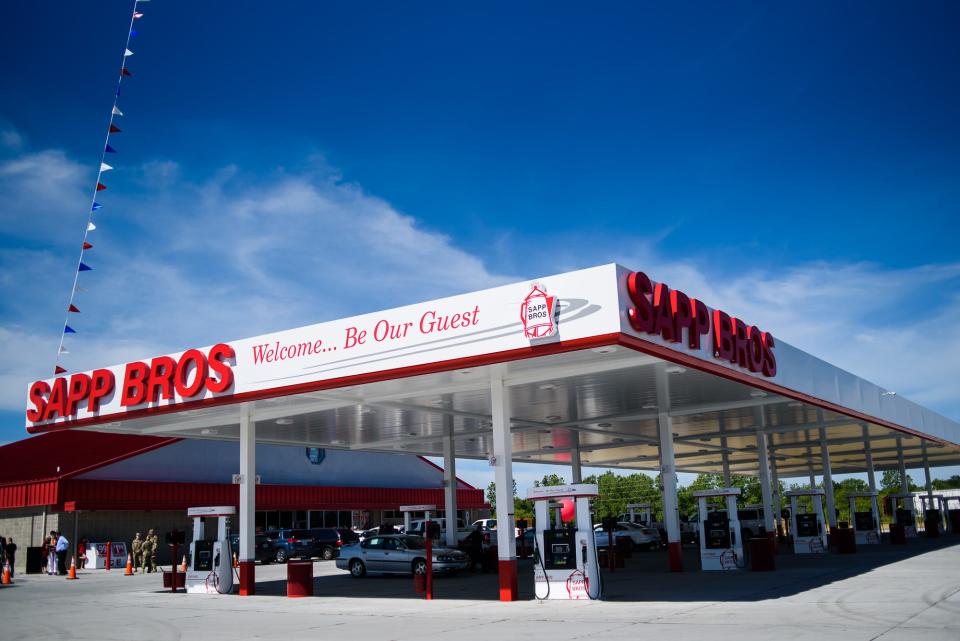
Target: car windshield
[[414, 542]]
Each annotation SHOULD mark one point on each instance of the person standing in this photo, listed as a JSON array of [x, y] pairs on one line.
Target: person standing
[[146, 553], [52, 553], [154, 546], [11, 551], [137, 548], [62, 546]]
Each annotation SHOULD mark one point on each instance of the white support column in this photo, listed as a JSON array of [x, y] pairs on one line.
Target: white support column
[[450, 484], [813, 478], [871, 473], [777, 499], [248, 485], [904, 482], [668, 471], [928, 483], [503, 478], [576, 474], [763, 463], [827, 476], [724, 453]]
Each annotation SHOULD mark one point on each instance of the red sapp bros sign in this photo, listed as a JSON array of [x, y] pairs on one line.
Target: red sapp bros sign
[[677, 318], [191, 375], [537, 313]]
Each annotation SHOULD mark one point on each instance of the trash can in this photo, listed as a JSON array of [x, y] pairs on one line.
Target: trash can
[[761, 555], [845, 540], [35, 563], [168, 579], [624, 547], [931, 524], [299, 579], [898, 534], [954, 521]]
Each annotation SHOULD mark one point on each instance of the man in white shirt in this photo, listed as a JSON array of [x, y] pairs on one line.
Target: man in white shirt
[[62, 545]]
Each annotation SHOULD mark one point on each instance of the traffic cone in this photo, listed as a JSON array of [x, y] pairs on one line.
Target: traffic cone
[[236, 562], [72, 575], [6, 574], [129, 570], [183, 566]]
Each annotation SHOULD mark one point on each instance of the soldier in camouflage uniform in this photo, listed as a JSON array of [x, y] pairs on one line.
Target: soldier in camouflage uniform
[[137, 548], [146, 552], [154, 546]]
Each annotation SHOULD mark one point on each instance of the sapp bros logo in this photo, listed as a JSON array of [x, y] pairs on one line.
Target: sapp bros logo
[[537, 313]]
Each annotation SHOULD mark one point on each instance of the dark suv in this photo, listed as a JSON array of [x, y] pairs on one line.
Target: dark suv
[[305, 544], [262, 547]]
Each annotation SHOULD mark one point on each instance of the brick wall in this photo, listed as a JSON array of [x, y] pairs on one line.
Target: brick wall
[[26, 526]]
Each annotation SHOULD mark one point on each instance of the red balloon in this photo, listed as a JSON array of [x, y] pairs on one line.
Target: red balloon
[[568, 510]]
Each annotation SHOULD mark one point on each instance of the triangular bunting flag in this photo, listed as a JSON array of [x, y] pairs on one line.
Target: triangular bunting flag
[[96, 206], [84, 268], [125, 72], [137, 15], [73, 309], [115, 129], [116, 111], [127, 53], [87, 245], [69, 330], [101, 186], [59, 370], [104, 167], [110, 150], [63, 350], [91, 226], [79, 289]]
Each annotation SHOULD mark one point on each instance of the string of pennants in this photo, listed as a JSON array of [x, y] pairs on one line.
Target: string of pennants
[[95, 206]]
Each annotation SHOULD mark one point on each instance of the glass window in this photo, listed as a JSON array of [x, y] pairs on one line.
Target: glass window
[[301, 519], [329, 519], [344, 519], [286, 519], [375, 543], [316, 518], [273, 520]]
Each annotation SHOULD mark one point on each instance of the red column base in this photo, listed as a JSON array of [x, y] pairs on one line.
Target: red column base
[[507, 570], [248, 583], [773, 542], [676, 556]]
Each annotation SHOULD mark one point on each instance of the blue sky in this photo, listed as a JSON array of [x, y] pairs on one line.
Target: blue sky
[[796, 164]]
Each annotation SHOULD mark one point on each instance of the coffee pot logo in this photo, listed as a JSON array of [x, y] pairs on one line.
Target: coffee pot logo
[[537, 313]]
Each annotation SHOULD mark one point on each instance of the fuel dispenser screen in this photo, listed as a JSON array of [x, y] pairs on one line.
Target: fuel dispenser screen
[[807, 525], [204, 556], [560, 552], [717, 528], [863, 521], [904, 517]]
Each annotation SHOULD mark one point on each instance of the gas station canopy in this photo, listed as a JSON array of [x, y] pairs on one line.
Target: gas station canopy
[[579, 354]]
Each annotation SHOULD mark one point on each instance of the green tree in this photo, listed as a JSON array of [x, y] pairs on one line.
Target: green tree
[[550, 480], [890, 481]]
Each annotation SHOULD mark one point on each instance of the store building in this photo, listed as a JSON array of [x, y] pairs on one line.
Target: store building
[[106, 487]]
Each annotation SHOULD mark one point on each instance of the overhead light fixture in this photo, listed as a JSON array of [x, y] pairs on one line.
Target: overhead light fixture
[[466, 371], [649, 406], [548, 447], [544, 431], [369, 410], [548, 386], [675, 369], [284, 421], [888, 393], [606, 349], [411, 433], [554, 418], [618, 440], [758, 393], [209, 431], [437, 402], [604, 424], [795, 404]]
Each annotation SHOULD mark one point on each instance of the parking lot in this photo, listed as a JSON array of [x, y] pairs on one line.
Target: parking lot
[[882, 592]]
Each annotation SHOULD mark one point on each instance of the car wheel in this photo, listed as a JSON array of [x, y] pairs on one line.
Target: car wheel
[[281, 556], [419, 566], [327, 553], [357, 569]]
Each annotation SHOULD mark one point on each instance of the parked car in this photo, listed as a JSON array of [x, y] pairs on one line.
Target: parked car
[[397, 554], [490, 524], [416, 527], [262, 547], [324, 543], [642, 537]]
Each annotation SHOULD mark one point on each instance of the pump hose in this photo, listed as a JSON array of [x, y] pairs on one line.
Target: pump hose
[[536, 553]]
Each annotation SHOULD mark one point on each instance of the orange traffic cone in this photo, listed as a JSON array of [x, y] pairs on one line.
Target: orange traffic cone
[[129, 570], [72, 575], [7, 580], [183, 566], [236, 563]]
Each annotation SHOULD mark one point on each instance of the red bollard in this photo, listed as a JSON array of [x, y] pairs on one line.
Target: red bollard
[[429, 577], [109, 545]]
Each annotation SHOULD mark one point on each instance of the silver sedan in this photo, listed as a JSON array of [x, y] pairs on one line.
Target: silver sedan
[[397, 554]]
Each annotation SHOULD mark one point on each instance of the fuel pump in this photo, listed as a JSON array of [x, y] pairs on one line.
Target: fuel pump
[[933, 513], [565, 558], [906, 515], [809, 535], [640, 513], [866, 525], [721, 547], [210, 569]]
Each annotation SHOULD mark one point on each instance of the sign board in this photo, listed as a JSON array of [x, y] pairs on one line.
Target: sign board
[[217, 510], [97, 555], [418, 508], [237, 479], [723, 491], [557, 491]]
